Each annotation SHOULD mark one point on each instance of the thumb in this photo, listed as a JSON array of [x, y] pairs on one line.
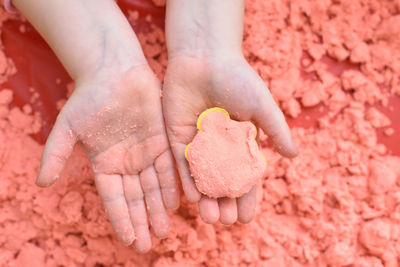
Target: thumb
[[271, 120], [58, 148]]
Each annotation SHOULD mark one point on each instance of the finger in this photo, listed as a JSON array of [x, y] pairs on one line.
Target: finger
[[247, 206], [209, 210], [154, 202], [137, 211], [227, 210], [112, 193], [270, 118], [188, 185], [58, 148], [167, 177]]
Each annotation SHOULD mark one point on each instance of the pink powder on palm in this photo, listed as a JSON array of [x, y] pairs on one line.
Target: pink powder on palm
[[224, 158]]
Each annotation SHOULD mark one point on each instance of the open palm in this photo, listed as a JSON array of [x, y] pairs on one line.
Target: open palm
[[194, 84], [117, 118]]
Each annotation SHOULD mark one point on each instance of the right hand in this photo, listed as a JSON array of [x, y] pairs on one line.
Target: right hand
[[117, 118]]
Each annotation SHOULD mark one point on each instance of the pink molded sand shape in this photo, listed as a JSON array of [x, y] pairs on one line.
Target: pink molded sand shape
[[224, 157]]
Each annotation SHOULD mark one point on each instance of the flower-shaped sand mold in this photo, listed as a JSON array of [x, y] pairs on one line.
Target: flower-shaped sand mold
[[224, 157]]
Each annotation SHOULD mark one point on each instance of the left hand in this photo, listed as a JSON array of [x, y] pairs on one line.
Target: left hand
[[193, 84]]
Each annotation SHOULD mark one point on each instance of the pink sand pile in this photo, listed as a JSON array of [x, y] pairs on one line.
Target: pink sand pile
[[336, 204]]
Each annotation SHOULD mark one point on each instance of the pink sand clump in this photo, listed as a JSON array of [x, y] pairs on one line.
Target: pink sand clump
[[336, 204], [224, 158]]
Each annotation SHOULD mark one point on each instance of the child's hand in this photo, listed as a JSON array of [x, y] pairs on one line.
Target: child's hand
[[206, 69], [117, 118], [193, 84], [114, 112]]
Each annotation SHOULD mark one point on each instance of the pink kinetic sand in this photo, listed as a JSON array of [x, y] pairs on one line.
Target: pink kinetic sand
[[224, 158], [333, 66]]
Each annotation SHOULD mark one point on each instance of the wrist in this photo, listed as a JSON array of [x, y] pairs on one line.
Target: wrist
[[204, 28], [92, 41], [211, 56], [113, 56], [204, 52]]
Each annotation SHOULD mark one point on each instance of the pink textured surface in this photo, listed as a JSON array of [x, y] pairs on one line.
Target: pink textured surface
[[336, 204], [224, 158]]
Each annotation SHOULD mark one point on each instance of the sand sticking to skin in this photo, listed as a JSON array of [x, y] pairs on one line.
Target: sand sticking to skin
[[337, 204]]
